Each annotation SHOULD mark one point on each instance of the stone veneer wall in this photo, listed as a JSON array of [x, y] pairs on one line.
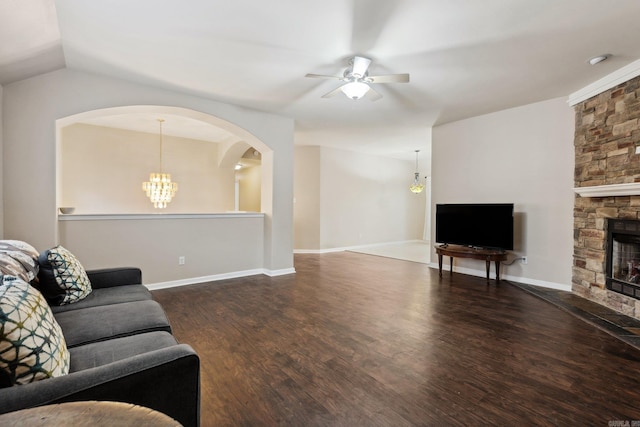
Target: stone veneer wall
[[606, 135]]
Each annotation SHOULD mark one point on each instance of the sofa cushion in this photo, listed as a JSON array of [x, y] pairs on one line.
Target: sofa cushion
[[62, 278], [32, 346], [107, 296], [95, 324], [104, 352], [18, 259]]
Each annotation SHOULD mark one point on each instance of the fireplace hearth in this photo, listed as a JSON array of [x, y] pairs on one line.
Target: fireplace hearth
[[623, 257]]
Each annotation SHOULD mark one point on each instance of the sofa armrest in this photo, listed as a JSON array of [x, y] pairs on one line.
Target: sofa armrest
[[109, 277], [167, 380]]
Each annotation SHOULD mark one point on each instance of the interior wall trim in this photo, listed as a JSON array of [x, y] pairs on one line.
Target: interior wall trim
[[281, 272], [217, 277], [609, 81], [102, 217], [609, 190], [519, 279], [350, 248]]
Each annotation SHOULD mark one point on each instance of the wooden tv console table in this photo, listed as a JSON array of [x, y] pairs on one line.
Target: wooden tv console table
[[487, 255]]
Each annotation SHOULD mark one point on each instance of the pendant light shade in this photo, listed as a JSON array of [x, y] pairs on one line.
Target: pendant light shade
[[416, 186], [160, 190], [355, 90]]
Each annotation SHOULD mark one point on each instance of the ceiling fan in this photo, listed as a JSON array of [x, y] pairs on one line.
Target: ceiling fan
[[357, 80]]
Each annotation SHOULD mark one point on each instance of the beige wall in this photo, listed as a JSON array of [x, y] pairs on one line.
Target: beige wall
[[306, 191], [156, 245], [31, 108], [352, 199], [102, 171], [522, 155], [249, 179]]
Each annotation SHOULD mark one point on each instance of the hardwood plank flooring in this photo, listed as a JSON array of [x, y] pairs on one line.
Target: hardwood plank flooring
[[360, 340]]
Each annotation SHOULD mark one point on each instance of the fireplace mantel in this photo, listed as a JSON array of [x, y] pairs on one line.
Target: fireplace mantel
[[628, 189]]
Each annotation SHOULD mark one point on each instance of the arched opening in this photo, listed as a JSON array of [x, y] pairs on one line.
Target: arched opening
[[104, 156], [247, 164]]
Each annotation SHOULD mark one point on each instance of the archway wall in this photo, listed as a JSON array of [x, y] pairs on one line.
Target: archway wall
[[33, 106], [102, 168], [231, 152]]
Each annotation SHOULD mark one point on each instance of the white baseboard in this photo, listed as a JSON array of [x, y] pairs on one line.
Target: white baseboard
[[285, 271], [318, 251], [352, 248], [525, 280], [218, 277], [282, 272]]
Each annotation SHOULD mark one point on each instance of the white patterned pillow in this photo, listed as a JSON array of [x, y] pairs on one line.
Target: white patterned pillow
[[19, 259], [71, 278], [32, 346]]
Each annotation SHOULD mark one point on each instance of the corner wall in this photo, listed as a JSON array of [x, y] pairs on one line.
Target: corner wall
[[346, 199], [524, 156], [306, 193]]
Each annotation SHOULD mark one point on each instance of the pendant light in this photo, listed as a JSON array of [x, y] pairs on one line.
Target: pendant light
[[416, 186], [160, 190]]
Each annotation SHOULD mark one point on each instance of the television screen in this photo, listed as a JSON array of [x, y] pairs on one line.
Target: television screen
[[482, 225]]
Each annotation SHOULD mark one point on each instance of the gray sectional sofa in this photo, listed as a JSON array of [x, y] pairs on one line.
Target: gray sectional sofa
[[120, 349]]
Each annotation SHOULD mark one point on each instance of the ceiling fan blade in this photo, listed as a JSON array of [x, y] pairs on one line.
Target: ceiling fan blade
[[332, 93], [322, 76], [391, 78], [360, 65], [372, 95]]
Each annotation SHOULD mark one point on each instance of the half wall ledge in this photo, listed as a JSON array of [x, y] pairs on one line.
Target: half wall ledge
[[609, 190], [99, 217]]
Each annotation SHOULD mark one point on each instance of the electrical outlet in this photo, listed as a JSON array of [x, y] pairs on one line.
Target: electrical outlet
[[524, 260], [181, 260]]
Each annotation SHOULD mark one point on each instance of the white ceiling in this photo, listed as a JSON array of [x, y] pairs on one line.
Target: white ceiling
[[465, 57], [29, 39]]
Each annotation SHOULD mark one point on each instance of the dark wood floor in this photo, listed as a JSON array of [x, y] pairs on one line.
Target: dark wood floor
[[360, 340]]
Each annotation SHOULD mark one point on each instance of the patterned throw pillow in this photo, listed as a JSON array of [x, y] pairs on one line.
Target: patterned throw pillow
[[19, 259], [32, 346], [63, 280]]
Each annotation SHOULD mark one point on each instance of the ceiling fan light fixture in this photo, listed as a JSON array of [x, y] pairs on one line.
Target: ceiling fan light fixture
[[357, 80], [355, 90]]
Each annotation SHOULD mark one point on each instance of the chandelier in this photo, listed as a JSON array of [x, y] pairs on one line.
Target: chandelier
[[416, 186], [160, 190]]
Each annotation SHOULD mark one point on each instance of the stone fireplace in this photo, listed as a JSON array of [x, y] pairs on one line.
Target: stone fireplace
[[607, 180]]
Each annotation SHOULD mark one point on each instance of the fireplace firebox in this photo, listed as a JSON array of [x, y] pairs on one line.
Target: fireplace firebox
[[623, 257]]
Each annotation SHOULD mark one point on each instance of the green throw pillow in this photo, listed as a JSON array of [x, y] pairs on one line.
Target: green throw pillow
[[69, 274], [32, 346]]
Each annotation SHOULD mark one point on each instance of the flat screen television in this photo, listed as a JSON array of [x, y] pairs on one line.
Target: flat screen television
[[488, 225]]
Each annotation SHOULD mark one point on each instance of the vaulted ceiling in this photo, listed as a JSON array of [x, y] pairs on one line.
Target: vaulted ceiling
[[465, 57]]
